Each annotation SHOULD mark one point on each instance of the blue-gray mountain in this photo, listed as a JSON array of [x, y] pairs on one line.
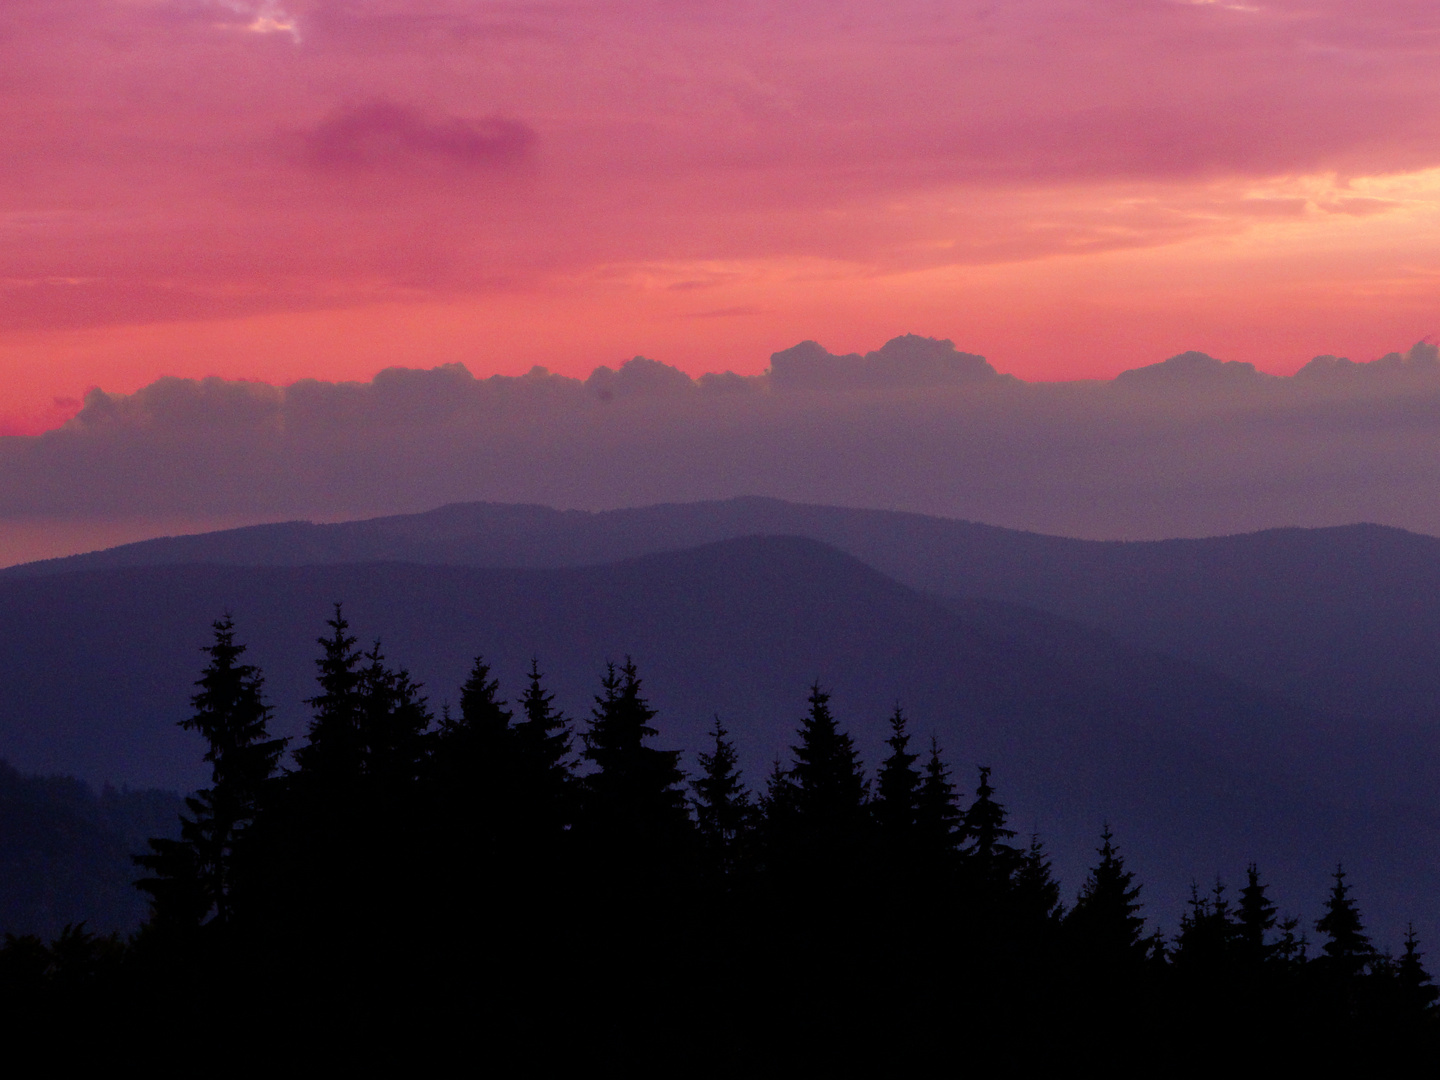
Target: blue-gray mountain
[[1197, 769]]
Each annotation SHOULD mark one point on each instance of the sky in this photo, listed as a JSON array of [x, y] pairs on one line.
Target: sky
[[280, 190]]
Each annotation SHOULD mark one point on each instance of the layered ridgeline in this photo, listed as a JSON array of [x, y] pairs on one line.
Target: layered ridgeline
[[1345, 619], [1199, 770]]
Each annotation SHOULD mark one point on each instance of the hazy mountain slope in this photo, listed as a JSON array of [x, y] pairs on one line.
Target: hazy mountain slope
[[1346, 619], [1195, 772], [65, 852]]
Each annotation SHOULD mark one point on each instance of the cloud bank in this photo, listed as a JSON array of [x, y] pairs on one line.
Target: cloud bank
[[1190, 446]]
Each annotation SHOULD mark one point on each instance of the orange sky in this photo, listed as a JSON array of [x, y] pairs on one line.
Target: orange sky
[[276, 190]]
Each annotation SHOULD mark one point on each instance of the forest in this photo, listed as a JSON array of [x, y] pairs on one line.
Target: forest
[[506, 875]]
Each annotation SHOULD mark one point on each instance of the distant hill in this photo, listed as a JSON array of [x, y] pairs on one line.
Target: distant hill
[[1346, 619], [65, 852], [1195, 771]]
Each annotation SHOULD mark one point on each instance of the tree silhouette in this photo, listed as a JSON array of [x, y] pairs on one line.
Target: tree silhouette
[[723, 810], [829, 781], [897, 789], [990, 861], [1207, 933], [938, 817], [1105, 923], [1417, 991], [1035, 892], [192, 879], [544, 785], [393, 721], [333, 756], [633, 797], [1348, 949], [1255, 918]]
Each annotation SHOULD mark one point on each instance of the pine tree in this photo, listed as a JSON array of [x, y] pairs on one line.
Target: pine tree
[[1105, 922], [938, 817], [1417, 991], [830, 786], [633, 797], [1207, 933], [990, 861], [723, 810], [193, 876], [897, 795], [1255, 919], [393, 721], [1036, 893], [1348, 950], [544, 785], [333, 757]]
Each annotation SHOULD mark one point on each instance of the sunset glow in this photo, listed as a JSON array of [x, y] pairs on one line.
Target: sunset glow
[[313, 188]]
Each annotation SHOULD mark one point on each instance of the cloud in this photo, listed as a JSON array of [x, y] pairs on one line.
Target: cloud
[[379, 135], [1188, 446]]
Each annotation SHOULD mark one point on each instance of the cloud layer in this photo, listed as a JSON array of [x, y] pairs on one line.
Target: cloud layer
[[1190, 446]]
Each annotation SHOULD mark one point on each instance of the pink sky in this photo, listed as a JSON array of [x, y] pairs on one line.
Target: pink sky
[[275, 190]]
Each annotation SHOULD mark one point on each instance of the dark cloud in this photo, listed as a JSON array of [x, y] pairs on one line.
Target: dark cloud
[[1192, 369], [909, 360], [1190, 446], [383, 135]]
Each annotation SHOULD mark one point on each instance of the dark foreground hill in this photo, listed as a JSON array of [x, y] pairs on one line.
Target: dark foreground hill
[[1195, 772], [1346, 620]]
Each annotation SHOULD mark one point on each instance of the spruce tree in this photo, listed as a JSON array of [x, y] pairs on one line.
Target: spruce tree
[[193, 876], [990, 860], [633, 798], [393, 723], [544, 784], [829, 781], [1348, 949], [472, 759], [1417, 991], [1207, 933], [723, 811], [333, 757], [1255, 918], [1105, 923], [938, 817], [897, 790], [1035, 892]]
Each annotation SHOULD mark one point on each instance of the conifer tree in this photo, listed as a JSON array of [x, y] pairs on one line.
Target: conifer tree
[[1207, 932], [193, 876], [473, 752], [723, 811], [1105, 922], [393, 721], [1417, 991], [633, 797], [938, 817], [1036, 893], [544, 775], [333, 757], [829, 781], [1348, 950], [990, 860], [1256, 916], [897, 789]]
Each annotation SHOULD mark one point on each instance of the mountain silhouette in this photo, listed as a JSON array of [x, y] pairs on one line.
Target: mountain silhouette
[[1343, 619], [1196, 772]]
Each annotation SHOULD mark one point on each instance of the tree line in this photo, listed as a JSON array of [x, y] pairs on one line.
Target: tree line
[[503, 869]]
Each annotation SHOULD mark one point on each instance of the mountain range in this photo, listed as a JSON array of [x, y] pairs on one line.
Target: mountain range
[[1260, 697]]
